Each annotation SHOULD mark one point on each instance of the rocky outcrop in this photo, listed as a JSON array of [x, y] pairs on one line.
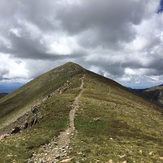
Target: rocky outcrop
[[15, 130], [27, 120]]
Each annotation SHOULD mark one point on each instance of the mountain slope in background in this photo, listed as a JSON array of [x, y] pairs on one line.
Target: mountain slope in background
[[3, 94], [154, 94], [71, 114]]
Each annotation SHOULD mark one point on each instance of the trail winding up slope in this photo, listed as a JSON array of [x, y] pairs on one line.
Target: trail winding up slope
[[59, 147]]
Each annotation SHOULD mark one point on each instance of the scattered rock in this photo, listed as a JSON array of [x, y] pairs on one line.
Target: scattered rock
[[15, 130], [9, 155], [40, 161], [67, 160], [79, 153], [57, 157], [140, 151], [34, 110], [96, 119], [84, 155], [122, 156], [150, 153], [111, 161], [4, 136], [49, 96], [24, 126], [33, 122]]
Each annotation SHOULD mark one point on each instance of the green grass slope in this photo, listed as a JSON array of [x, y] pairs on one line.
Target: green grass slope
[[116, 125], [20, 101], [113, 124]]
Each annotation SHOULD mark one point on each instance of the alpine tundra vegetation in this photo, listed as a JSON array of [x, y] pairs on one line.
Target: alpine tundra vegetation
[[70, 114]]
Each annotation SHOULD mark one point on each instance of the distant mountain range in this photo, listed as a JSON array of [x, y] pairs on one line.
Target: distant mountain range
[[9, 87], [70, 114]]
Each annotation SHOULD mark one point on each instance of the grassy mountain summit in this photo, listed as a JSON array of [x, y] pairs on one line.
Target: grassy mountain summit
[[71, 114]]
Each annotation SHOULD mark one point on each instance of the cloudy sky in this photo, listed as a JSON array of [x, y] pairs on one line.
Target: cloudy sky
[[120, 39]]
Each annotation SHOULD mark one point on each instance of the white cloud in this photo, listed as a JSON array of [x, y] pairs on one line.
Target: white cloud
[[58, 43], [15, 31], [12, 69]]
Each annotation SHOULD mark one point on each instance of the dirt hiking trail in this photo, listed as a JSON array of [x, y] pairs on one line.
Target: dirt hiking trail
[[60, 146]]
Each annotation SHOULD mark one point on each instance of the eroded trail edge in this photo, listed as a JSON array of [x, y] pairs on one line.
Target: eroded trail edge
[[58, 149]]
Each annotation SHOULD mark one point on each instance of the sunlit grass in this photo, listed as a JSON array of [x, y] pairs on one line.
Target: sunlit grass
[[113, 127]]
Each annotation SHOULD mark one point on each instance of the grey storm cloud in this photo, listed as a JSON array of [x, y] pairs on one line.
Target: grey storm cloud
[[33, 49], [155, 67], [3, 72], [103, 22], [115, 37], [106, 23]]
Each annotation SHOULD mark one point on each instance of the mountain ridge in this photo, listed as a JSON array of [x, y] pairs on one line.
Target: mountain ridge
[[37, 85], [105, 120]]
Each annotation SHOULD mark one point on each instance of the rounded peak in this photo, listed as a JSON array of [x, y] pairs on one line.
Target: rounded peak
[[71, 63]]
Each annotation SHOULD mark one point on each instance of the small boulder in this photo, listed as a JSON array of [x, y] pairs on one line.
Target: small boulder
[[15, 130], [33, 122], [67, 160], [34, 110]]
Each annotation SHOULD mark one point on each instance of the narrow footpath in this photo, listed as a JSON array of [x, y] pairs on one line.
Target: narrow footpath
[[59, 147]]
